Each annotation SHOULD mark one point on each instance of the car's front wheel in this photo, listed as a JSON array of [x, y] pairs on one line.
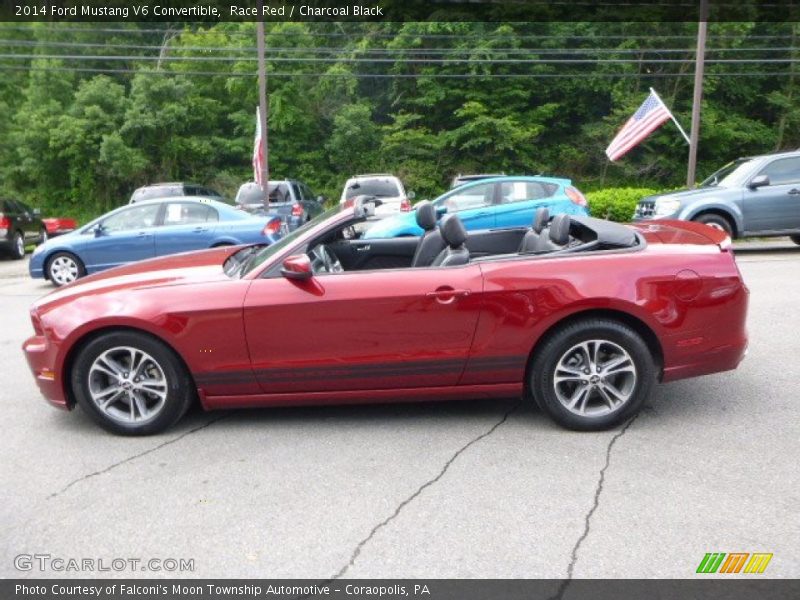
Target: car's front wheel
[[64, 268], [592, 374], [131, 383], [717, 222]]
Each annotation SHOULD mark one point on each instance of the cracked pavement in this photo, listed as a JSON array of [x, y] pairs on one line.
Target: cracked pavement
[[473, 489]]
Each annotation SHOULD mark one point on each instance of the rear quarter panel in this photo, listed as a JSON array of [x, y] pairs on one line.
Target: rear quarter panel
[[690, 297]]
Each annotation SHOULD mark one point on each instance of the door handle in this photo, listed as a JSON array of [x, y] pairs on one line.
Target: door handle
[[794, 192], [364, 248], [199, 229], [446, 295]]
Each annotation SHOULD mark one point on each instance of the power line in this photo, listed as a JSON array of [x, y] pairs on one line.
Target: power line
[[392, 75], [294, 59], [413, 51]]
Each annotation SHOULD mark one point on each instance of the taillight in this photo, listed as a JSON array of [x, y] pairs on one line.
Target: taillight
[[405, 205], [5, 222], [575, 196], [297, 210], [271, 228]]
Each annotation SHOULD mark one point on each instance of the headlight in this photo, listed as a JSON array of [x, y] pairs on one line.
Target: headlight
[[667, 206]]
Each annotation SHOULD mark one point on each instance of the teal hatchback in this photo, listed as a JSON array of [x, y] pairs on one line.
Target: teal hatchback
[[494, 203]]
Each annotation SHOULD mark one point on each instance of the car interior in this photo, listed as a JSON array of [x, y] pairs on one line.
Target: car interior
[[446, 242]]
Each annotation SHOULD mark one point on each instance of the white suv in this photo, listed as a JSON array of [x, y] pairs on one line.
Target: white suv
[[386, 188]]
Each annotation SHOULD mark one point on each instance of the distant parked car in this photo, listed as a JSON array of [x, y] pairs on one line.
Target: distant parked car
[[54, 226], [495, 203], [754, 196], [20, 225], [291, 200], [462, 179], [387, 189], [150, 228], [173, 189]]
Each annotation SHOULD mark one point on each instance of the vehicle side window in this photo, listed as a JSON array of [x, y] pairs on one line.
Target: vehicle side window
[[136, 217], [519, 191], [307, 193], [184, 213], [296, 192], [12, 207], [783, 170], [475, 196]]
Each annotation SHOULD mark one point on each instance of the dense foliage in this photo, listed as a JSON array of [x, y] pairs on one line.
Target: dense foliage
[[80, 130]]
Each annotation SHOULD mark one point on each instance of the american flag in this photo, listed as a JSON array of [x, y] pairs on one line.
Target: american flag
[[258, 151], [651, 114]]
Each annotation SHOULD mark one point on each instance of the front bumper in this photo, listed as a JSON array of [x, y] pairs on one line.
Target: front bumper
[[41, 360]]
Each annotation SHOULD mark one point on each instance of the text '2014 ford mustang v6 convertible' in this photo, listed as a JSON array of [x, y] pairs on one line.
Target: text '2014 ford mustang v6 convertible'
[[581, 314]]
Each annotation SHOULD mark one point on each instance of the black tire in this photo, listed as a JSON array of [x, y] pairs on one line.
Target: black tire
[[717, 221], [17, 246], [176, 381], [52, 266], [43, 235], [795, 239], [612, 335]]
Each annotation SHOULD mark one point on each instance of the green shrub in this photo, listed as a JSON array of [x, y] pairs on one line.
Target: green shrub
[[616, 204]]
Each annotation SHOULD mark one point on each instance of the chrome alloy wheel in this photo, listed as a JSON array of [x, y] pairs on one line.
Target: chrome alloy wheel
[[595, 378], [64, 270], [128, 385]]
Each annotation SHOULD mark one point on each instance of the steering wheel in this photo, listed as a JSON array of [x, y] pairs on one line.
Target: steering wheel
[[325, 261]]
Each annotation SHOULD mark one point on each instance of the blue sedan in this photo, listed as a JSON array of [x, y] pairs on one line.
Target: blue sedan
[[146, 230], [493, 203]]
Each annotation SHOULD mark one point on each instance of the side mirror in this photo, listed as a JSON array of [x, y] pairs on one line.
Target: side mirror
[[297, 267], [321, 199], [37, 212], [441, 209], [411, 195], [758, 181], [99, 230]]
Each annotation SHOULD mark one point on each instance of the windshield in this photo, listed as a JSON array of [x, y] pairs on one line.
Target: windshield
[[727, 174], [257, 259], [381, 188]]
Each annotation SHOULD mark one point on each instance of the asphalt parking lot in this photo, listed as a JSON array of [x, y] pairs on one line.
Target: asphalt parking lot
[[473, 489]]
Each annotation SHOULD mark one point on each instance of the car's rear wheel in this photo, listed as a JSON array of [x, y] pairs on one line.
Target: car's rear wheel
[[131, 383], [716, 221], [592, 374], [795, 239], [64, 268], [17, 246], [43, 235]]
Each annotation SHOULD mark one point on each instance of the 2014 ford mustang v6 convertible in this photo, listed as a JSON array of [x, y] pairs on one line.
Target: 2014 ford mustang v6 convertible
[[580, 314]]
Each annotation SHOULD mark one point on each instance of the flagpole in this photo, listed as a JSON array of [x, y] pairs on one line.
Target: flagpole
[[671, 116], [262, 101]]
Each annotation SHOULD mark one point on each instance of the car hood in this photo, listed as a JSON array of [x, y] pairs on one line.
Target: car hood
[[687, 194], [172, 270]]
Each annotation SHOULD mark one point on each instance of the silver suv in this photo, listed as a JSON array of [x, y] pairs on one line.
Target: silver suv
[[754, 196]]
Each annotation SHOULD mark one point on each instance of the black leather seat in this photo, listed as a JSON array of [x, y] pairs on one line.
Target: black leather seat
[[557, 235], [431, 242], [540, 220], [455, 235]]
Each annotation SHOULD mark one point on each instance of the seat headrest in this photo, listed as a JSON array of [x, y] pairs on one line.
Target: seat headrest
[[425, 213], [452, 230], [540, 219], [559, 230]]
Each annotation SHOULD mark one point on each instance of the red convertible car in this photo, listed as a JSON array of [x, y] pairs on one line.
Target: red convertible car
[[580, 314]]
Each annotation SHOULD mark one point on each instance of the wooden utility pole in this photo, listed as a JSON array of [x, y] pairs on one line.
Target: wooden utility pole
[[262, 100], [700, 58]]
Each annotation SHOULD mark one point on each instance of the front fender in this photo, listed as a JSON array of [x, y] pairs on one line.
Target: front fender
[[689, 212]]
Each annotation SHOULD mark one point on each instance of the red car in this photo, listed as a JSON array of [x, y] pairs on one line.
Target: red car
[[582, 314], [58, 226]]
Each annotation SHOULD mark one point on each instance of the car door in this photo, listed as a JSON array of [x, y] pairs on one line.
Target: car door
[[474, 204], [357, 331], [310, 201], [185, 226], [775, 207], [519, 200], [124, 236], [28, 222]]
